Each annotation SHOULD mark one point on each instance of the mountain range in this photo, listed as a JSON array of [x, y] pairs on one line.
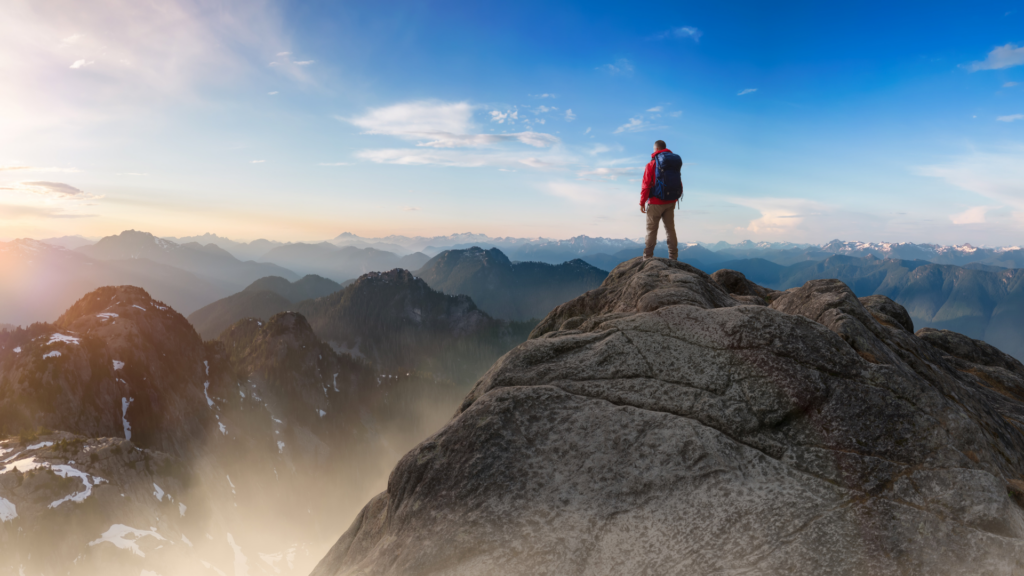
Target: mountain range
[[983, 303], [340, 263], [506, 289]]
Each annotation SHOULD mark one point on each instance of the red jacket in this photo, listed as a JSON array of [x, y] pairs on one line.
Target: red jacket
[[648, 186]]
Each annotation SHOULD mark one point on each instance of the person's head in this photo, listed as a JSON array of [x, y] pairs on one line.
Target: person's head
[[659, 145]]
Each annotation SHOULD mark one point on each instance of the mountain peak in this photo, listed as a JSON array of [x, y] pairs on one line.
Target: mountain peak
[[660, 421]]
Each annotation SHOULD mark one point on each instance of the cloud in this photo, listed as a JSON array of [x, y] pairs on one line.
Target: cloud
[[81, 64], [778, 215], [543, 109], [974, 215], [577, 192], [461, 158], [684, 32], [257, 161], [655, 109], [569, 115], [501, 117], [71, 40], [305, 62], [1006, 56], [636, 124], [747, 91], [272, 93], [1010, 118], [48, 189], [588, 131], [443, 125], [1011, 84], [410, 208], [542, 96], [613, 173], [18, 211], [284, 53], [996, 174], [10, 168], [675, 114], [621, 66], [334, 164]]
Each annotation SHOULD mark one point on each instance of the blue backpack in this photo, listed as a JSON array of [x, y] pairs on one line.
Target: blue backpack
[[668, 182]]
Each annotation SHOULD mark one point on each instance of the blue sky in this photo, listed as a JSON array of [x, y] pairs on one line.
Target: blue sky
[[298, 121]]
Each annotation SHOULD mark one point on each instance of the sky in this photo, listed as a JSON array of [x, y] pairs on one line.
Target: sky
[[297, 121]]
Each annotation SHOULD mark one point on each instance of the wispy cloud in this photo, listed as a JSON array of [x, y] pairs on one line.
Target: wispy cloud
[[636, 124], [569, 115], [21, 168], [81, 64], [257, 161], [995, 174], [19, 211], [459, 158], [1011, 84], [443, 125], [305, 62], [1010, 118], [655, 109], [620, 66], [57, 190], [1006, 56], [542, 96], [333, 164], [685, 32], [274, 93], [746, 91], [609, 173]]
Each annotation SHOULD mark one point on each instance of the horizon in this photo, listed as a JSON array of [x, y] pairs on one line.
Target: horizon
[[281, 120]]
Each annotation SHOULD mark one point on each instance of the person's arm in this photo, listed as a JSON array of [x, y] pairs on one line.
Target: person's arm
[[648, 183]]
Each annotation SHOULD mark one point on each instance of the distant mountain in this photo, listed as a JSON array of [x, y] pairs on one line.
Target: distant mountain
[[128, 445], [7, 327], [986, 304], [503, 289], [401, 324], [40, 281], [210, 261], [69, 242], [260, 300], [340, 263], [241, 250]]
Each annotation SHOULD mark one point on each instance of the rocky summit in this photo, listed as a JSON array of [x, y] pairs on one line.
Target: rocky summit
[[670, 422]]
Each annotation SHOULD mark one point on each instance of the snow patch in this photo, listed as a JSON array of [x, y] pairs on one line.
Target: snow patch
[[125, 402], [107, 315], [230, 483], [62, 338], [17, 350], [322, 413], [40, 445], [241, 563], [280, 447], [64, 471], [207, 364], [139, 307], [181, 509], [54, 354], [7, 510], [186, 540], [118, 536], [158, 492], [206, 390], [223, 428], [118, 364], [23, 465]]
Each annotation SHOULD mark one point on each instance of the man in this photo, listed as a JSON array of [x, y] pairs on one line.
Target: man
[[662, 187]]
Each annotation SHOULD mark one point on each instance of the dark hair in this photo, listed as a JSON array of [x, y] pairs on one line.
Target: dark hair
[[660, 144]]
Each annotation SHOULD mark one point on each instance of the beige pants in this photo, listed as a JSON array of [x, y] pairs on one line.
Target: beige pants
[[661, 213]]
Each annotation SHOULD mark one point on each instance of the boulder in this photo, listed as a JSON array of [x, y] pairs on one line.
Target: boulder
[[658, 425]]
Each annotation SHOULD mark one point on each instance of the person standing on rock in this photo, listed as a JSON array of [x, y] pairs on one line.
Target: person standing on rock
[[662, 188]]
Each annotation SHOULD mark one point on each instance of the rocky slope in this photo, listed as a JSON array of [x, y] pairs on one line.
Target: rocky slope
[[661, 425], [127, 444], [506, 289]]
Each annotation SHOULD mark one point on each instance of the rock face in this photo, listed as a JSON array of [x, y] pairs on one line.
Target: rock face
[[657, 425]]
